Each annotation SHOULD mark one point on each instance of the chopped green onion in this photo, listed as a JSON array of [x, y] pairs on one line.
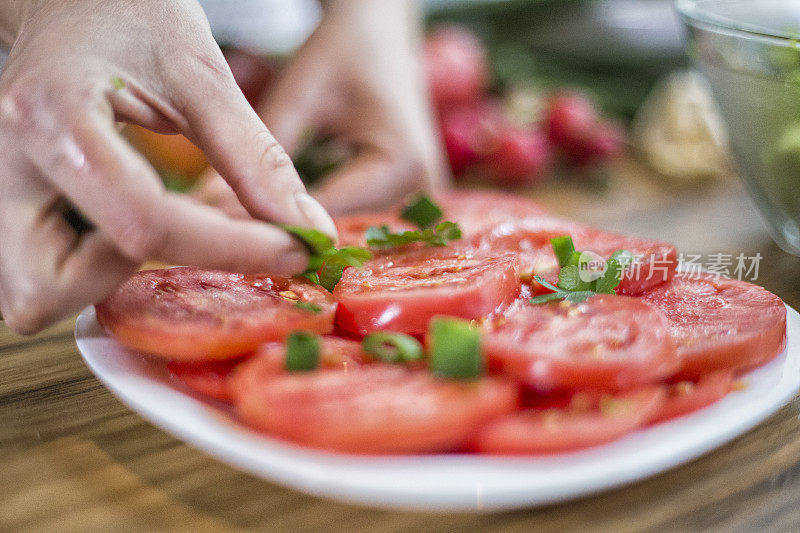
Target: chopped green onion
[[392, 347], [308, 306], [455, 349], [422, 212], [302, 351], [118, 83], [564, 249]]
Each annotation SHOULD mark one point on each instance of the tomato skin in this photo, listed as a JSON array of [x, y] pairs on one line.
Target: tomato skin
[[720, 323], [207, 378], [191, 314], [565, 429], [352, 228], [607, 342], [371, 408], [686, 397], [530, 239], [478, 210], [403, 291], [456, 66]]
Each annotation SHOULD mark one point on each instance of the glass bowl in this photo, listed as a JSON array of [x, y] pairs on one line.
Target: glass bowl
[[749, 51]]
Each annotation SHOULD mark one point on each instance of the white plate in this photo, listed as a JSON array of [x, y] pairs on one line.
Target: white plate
[[437, 482]]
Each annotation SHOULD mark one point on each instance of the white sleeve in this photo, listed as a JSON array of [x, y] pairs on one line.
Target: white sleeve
[[275, 26]]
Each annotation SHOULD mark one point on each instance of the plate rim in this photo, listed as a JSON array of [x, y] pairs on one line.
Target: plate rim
[[333, 484]]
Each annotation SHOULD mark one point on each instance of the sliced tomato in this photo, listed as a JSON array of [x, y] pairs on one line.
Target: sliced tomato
[[190, 314], [402, 291], [478, 210], [720, 323], [208, 378], [579, 425], [606, 342], [654, 264], [685, 397], [372, 408], [352, 228], [529, 239], [270, 361]]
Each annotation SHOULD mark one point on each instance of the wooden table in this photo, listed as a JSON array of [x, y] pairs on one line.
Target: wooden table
[[72, 457]]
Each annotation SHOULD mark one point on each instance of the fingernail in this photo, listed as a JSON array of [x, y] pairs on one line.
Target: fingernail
[[291, 263], [316, 215]]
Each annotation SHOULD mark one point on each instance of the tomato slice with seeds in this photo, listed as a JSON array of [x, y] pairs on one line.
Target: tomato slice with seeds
[[655, 261], [352, 228], [607, 342], [478, 210], [191, 314], [686, 397], [576, 426], [372, 408], [720, 323], [403, 290], [209, 378]]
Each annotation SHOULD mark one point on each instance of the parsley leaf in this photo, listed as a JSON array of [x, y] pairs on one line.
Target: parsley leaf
[[382, 236], [571, 287], [422, 212], [326, 263]]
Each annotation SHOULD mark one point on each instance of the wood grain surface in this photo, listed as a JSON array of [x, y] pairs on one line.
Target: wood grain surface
[[73, 458]]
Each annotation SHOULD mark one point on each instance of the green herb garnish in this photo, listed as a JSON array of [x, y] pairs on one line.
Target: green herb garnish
[[118, 83], [308, 306], [382, 236], [572, 287], [422, 212], [327, 263], [392, 347], [302, 351], [455, 349]]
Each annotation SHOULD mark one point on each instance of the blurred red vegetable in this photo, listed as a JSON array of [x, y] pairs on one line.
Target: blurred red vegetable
[[456, 64]]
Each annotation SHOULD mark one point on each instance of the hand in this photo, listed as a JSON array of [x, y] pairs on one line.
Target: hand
[[75, 68], [358, 79]]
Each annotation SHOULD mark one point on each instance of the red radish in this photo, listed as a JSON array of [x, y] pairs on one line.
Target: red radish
[[456, 66], [470, 132], [606, 141], [570, 119], [521, 156]]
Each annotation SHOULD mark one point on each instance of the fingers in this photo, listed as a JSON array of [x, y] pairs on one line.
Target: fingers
[[48, 272], [296, 105], [373, 180], [248, 157], [119, 192]]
